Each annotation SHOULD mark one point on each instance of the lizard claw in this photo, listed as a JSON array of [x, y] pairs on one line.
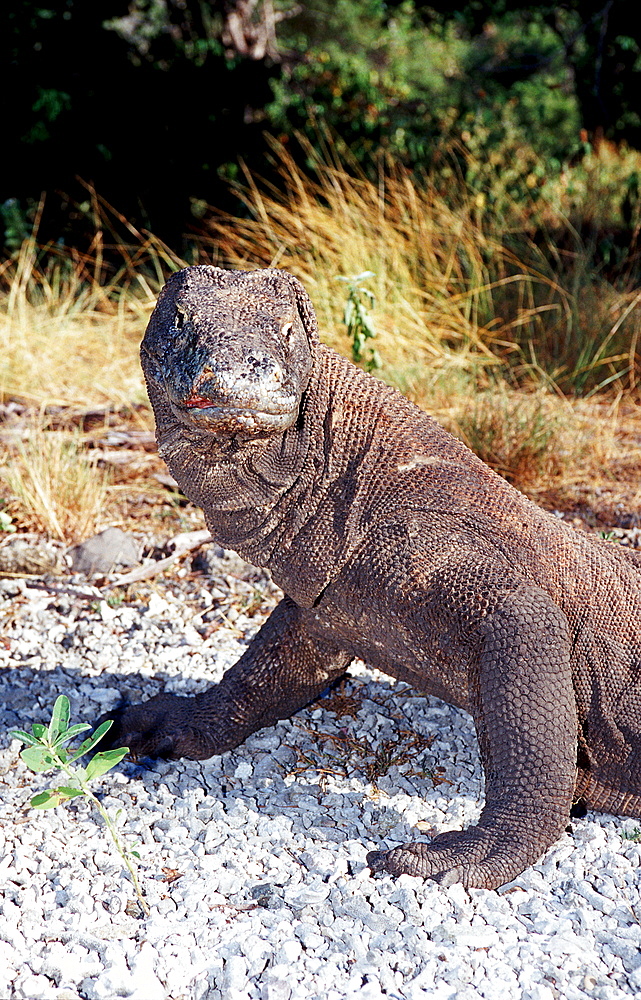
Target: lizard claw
[[384, 861], [162, 727], [448, 877], [376, 861], [475, 857]]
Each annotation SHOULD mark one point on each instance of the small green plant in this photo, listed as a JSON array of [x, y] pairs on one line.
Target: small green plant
[[46, 750], [6, 522], [116, 598], [358, 321]]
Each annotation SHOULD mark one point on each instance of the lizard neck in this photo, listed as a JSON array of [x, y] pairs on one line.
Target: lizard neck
[[297, 504], [243, 485]]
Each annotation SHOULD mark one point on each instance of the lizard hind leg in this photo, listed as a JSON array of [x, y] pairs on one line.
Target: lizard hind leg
[[525, 715]]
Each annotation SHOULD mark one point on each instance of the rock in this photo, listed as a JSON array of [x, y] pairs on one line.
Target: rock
[[11, 588], [104, 552], [217, 562], [31, 555]]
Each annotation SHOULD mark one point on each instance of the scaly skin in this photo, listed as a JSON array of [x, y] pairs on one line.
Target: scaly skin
[[393, 543]]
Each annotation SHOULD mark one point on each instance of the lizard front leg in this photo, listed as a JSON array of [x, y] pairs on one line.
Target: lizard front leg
[[525, 716], [282, 670]]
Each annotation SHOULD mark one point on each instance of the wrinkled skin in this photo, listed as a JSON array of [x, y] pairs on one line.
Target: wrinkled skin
[[393, 543]]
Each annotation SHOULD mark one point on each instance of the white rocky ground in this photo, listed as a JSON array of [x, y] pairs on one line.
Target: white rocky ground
[[253, 863]]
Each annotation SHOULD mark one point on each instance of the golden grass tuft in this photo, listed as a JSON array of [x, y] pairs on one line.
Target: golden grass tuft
[[67, 342], [537, 437], [463, 327], [516, 433], [71, 323], [55, 487], [436, 275], [450, 292]]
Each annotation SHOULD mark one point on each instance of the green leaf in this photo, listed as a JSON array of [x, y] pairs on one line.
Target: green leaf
[[55, 797], [66, 792], [73, 731], [69, 791], [44, 800], [60, 717], [102, 729], [103, 762], [39, 730], [91, 740], [19, 734], [80, 727], [39, 758]]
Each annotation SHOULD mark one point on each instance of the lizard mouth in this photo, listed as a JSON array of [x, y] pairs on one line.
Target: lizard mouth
[[223, 419]]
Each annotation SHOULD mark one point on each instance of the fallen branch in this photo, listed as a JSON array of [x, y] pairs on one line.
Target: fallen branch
[[186, 541]]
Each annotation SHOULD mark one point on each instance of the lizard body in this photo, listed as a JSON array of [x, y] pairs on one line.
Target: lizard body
[[394, 543]]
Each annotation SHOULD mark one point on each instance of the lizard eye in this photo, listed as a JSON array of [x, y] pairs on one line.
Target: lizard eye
[[287, 330], [179, 319]]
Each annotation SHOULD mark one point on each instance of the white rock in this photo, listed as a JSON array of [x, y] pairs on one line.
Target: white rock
[[279, 990], [538, 992], [145, 982], [289, 952], [157, 606], [306, 895], [235, 973], [563, 930], [310, 937], [35, 988]]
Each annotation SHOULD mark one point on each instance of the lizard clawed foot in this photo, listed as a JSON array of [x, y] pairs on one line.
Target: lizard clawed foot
[[474, 857], [380, 862], [161, 727]]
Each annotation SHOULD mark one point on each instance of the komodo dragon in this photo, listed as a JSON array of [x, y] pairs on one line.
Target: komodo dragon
[[394, 543]]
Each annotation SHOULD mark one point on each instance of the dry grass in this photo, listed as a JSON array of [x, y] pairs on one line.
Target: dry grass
[[450, 294], [71, 324], [517, 433], [538, 437], [436, 275], [55, 487], [462, 328]]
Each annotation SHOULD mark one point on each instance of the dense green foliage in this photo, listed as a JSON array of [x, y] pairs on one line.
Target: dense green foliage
[[155, 101]]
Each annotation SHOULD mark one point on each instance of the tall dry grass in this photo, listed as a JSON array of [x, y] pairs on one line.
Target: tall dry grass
[[70, 327], [55, 486], [483, 337], [436, 275], [457, 287], [71, 323]]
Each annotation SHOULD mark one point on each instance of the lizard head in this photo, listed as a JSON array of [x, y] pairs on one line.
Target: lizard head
[[230, 352]]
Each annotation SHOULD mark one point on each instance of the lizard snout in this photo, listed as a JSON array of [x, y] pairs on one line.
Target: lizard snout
[[255, 383], [251, 398]]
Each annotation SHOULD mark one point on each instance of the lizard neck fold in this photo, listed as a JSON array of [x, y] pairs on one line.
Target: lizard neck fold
[[299, 503], [260, 496]]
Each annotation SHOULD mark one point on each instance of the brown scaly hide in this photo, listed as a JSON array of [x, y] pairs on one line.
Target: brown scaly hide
[[393, 543]]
